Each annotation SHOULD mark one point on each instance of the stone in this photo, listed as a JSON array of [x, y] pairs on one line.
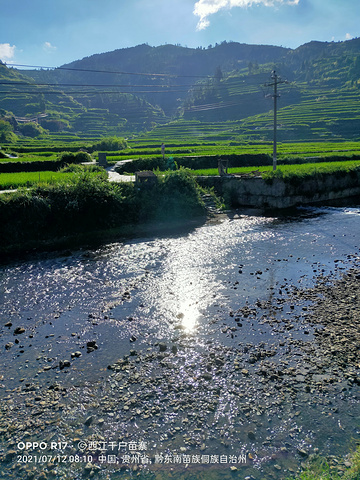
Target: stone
[[10, 455], [64, 363], [162, 347], [91, 346], [302, 452], [89, 421], [19, 330]]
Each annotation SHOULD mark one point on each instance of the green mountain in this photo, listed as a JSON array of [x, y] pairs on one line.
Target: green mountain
[[162, 76], [136, 89]]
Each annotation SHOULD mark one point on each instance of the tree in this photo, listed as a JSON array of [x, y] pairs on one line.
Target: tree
[[218, 74], [31, 129], [6, 132], [110, 144]]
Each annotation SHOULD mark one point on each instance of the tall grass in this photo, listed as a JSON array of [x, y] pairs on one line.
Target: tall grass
[[298, 172], [28, 179]]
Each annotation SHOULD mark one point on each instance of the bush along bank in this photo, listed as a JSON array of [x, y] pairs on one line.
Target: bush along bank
[[91, 204]]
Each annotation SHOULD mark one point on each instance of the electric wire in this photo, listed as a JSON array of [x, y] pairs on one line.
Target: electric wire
[[185, 88], [169, 75]]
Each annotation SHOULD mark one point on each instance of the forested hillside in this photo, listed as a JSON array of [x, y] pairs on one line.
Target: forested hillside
[[136, 89]]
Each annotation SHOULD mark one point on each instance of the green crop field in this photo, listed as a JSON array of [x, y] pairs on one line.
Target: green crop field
[[38, 157], [189, 148], [286, 170], [28, 179]]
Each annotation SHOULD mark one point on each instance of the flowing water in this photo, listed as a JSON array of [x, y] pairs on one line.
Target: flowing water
[[166, 306]]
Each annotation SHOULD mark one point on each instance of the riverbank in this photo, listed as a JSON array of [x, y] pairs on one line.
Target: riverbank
[[88, 207], [234, 400], [287, 189]]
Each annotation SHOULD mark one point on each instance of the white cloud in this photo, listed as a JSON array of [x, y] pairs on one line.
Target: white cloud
[[48, 47], [348, 36], [204, 8], [7, 51]]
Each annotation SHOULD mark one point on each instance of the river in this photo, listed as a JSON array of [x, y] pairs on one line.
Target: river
[[166, 347]]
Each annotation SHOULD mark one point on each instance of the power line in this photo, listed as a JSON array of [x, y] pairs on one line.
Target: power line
[[168, 75], [14, 84], [192, 88], [211, 106], [113, 85], [90, 92]]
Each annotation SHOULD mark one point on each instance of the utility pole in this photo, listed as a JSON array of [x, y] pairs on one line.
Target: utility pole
[[275, 77], [275, 84]]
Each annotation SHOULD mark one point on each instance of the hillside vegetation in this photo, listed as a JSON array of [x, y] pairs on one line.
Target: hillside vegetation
[[224, 89]]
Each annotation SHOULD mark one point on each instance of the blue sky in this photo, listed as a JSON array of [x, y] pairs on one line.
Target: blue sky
[[55, 32]]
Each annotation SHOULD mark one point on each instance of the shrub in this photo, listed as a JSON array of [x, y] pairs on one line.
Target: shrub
[[23, 216], [69, 157], [178, 196], [75, 168], [112, 144], [86, 203], [54, 125], [31, 129]]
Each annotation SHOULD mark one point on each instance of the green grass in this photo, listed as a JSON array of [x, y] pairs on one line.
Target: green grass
[[184, 138], [318, 468], [28, 179], [188, 147], [39, 157], [288, 170]]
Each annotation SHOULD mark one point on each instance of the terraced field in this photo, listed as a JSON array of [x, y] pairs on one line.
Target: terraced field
[[321, 114]]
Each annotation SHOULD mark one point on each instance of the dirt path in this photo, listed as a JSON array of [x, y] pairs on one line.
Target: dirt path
[[116, 177]]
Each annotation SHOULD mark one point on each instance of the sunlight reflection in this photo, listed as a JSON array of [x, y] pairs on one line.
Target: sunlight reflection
[[189, 316]]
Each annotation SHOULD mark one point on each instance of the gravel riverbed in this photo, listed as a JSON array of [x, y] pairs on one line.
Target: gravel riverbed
[[246, 410]]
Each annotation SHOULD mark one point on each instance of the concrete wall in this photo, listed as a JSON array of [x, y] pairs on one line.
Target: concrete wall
[[255, 192]]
